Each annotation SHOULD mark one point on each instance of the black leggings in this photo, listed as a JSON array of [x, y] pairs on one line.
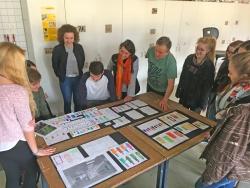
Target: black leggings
[[19, 161]]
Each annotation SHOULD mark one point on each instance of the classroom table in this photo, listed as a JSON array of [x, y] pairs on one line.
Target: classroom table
[[156, 153], [154, 99], [53, 178]]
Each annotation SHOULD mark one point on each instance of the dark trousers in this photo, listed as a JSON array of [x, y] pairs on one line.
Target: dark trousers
[[68, 88], [149, 89], [192, 107], [19, 161]]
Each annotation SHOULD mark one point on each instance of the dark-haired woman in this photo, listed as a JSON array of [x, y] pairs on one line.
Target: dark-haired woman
[[222, 79], [68, 61], [125, 67]]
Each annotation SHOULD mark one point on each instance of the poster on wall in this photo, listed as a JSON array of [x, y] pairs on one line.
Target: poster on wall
[[49, 23]]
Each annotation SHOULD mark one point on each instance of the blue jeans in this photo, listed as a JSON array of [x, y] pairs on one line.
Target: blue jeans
[[68, 88], [224, 183]]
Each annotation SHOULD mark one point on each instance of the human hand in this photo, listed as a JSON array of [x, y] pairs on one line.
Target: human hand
[[45, 151], [207, 135], [164, 104], [127, 98]]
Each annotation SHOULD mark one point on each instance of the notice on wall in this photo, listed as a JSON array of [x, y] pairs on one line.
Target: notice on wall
[[49, 23]]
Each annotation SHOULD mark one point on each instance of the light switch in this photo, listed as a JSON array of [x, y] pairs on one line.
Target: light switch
[[154, 10], [108, 28]]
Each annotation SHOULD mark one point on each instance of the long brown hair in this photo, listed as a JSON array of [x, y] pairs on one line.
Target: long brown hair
[[12, 66]]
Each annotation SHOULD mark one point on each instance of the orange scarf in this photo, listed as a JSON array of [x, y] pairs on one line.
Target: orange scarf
[[123, 74]]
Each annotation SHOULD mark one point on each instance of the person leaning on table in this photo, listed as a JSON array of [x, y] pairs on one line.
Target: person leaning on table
[[228, 151], [18, 148], [162, 70]]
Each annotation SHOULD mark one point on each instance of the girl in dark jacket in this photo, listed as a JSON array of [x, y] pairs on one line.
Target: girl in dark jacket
[[197, 76], [68, 61]]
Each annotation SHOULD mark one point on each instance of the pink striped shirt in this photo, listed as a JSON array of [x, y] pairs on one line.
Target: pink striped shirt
[[15, 115]]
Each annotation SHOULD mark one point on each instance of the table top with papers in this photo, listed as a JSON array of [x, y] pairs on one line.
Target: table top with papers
[[155, 152]]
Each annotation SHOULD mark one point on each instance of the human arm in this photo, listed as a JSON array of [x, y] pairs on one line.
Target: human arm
[[41, 104], [81, 94], [206, 85], [111, 85], [56, 60], [30, 138], [81, 56], [180, 86], [23, 115], [171, 73], [169, 90]]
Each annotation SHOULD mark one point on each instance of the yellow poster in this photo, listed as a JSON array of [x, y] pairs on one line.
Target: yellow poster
[[49, 23]]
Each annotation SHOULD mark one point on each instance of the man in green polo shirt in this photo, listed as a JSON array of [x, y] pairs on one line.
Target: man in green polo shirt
[[162, 70]]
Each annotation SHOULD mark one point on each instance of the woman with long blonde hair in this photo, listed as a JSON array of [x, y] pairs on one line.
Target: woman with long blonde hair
[[18, 148], [197, 76]]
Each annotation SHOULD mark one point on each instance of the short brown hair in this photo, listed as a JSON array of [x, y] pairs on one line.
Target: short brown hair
[[67, 28], [164, 41], [33, 75], [96, 67]]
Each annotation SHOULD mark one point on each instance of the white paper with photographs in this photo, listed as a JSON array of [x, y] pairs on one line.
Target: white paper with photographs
[[89, 172]]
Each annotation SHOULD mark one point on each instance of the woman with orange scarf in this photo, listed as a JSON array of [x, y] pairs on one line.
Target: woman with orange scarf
[[125, 67]]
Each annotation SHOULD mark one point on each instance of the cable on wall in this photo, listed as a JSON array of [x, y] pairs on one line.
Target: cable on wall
[[122, 21], [65, 15], [164, 14]]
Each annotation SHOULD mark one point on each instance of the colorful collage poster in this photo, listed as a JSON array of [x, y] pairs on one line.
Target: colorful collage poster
[[200, 125], [170, 138], [173, 118], [49, 23], [152, 127], [127, 155], [185, 128]]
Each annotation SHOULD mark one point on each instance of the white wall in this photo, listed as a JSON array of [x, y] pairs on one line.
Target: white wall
[[11, 23], [181, 21], [43, 61]]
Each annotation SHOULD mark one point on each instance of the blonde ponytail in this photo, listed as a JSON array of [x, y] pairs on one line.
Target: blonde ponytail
[[211, 44]]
